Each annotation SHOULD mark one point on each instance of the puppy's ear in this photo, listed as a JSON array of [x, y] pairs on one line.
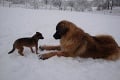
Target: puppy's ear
[[37, 32]]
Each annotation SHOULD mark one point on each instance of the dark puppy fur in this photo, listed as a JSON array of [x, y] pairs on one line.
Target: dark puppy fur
[[27, 42], [74, 42]]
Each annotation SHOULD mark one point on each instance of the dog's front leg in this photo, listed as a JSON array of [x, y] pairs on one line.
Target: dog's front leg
[[51, 54], [50, 48], [47, 55]]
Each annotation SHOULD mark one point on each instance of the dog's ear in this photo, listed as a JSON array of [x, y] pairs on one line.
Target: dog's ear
[[64, 30], [62, 27]]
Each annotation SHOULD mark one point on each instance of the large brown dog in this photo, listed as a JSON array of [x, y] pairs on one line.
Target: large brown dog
[[28, 42], [75, 42]]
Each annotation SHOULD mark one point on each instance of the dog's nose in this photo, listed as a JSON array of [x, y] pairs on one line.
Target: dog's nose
[[42, 38], [54, 35]]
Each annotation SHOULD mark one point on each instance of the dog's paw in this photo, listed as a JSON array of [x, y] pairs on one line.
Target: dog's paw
[[42, 57], [40, 47]]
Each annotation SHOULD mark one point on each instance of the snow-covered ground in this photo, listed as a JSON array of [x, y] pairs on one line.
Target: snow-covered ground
[[16, 23]]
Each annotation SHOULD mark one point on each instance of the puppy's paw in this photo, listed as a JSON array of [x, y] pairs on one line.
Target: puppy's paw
[[33, 51]]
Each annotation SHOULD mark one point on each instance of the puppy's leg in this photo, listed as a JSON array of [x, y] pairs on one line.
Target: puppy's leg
[[20, 51], [36, 47], [50, 48], [31, 49]]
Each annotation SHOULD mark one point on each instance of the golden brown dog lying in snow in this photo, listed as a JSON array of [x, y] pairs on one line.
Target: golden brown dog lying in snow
[[75, 42]]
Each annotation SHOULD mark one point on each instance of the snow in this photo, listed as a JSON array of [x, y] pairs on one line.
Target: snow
[[16, 23]]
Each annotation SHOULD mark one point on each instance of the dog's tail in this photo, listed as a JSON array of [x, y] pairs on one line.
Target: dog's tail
[[12, 50]]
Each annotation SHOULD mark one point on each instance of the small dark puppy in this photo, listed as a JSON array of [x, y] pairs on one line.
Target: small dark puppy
[[27, 42]]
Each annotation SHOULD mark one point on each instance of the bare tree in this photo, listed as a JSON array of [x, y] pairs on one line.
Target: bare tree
[[57, 3], [116, 2], [46, 2], [81, 5], [71, 4], [36, 4]]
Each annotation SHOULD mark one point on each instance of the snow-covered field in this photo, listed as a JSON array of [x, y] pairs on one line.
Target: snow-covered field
[[16, 23]]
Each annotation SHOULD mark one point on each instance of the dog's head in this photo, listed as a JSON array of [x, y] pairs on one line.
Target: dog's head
[[61, 29], [38, 35]]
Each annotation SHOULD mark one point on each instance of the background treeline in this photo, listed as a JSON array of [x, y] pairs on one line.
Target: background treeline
[[76, 5]]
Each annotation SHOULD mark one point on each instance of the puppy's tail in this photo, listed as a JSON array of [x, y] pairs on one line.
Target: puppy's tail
[[12, 50]]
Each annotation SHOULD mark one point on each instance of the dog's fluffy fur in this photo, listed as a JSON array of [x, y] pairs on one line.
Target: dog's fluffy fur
[[75, 42], [27, 42]]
